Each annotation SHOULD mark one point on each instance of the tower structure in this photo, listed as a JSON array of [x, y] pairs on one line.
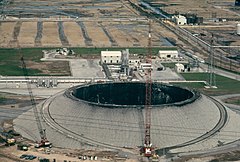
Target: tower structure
[[212, 79]]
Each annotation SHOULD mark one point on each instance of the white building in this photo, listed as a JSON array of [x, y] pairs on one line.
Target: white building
[[111, 57], [179, 67], [168, 54], [180, 20], [146, 66]]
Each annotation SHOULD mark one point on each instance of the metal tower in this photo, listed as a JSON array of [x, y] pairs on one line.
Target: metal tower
[[212, 79]]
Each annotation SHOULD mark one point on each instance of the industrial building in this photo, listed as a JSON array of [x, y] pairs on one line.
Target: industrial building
[[111, 57], [119, 64], [146, 66], [179, 67], [168, 54], [180, 20]]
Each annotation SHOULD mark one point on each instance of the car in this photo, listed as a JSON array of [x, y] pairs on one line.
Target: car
[[31, 157], [23, 156], [28, 157]]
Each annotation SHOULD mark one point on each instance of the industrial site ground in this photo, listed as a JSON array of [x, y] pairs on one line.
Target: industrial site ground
[[30, 27]]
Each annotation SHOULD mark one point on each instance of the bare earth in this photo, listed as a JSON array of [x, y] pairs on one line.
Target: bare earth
[[6, 30], [97, 35], [27, 34], [74, 34], [50, 34]]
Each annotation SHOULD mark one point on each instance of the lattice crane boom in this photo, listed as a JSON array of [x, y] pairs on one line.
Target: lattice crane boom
[[44, 142], [148, 99]]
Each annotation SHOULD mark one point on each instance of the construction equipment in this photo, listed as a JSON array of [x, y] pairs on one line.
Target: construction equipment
[[147, 148], [23, 147], [10, 141], [44, 142]]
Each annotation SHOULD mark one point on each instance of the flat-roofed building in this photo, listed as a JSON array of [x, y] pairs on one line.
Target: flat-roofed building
[[164, 54], [111, 57]]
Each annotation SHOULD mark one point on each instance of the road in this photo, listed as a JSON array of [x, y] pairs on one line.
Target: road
[[222, 72]]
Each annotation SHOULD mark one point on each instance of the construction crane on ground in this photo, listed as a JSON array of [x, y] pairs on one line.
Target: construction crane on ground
[[147, 148], [44, 142]]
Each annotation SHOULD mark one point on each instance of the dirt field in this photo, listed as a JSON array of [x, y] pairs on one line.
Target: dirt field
[[102, 34], [121, 38], [6, 31], [99, 38], [74, 34], [51, 67], [207, 9], [50, 34], [27, 34]]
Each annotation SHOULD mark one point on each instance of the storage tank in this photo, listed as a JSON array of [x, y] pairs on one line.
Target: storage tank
[[238, 29]]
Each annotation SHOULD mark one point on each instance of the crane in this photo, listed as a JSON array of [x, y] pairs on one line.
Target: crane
[[147, 141], [44, 142]]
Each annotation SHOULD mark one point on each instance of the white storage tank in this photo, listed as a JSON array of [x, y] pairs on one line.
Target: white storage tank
[[238, 29]]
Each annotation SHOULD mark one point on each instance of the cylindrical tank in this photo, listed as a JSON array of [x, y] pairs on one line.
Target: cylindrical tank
[[238, 29]]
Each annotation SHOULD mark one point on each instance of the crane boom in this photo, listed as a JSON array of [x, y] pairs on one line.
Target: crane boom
[[148, 98], [44, 142], [39, 125]]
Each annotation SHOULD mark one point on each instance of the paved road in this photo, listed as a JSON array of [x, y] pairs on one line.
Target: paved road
[[214, 151], [222, 72], [227, 96]]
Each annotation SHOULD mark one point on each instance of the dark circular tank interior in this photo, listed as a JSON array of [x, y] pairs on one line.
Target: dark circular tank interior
[[132, 93]]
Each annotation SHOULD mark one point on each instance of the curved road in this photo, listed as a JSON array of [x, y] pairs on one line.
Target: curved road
[[222, 121]]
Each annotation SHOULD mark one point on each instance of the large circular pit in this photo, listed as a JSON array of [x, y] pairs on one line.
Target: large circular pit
[[132, 94]]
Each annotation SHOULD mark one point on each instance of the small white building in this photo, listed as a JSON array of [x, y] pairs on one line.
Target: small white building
[[111, 57], [179, 67], [146, 66], [180, 20], [168, 54]]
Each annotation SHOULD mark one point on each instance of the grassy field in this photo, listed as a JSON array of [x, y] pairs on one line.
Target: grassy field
[[10, 64], [132, 50], [197, 86], [224, 85]]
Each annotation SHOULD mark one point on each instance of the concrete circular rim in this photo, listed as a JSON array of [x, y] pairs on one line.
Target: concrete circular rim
[[194, 95]]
